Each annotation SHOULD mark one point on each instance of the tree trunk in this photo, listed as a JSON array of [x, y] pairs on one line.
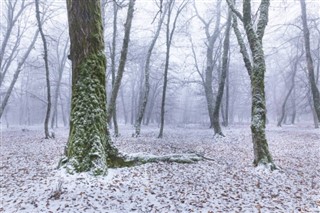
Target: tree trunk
[[89, 145], [125, 114], [224, 70], [283, 108], [169, 37], [142, 109], [312, 80], [210, 62], [61, 66], [46, 122], [113, 65], [123, 59], [256, 70]]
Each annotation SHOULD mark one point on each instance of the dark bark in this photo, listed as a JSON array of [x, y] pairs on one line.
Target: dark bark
[[89, 145], [224, 70], [123, 59], [310, 67]]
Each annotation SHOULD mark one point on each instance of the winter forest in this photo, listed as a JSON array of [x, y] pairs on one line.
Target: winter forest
[[160, 106]]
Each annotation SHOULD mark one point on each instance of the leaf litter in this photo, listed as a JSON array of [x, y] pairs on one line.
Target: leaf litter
[[224, 182]]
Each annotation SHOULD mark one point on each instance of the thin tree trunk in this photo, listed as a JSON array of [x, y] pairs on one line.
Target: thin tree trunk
[[123, 59], [46, 122], [142, 109], [224, 70], [283, 107], [169, 37], [211, 39], [113, 65], [61, 67], [294, 110], [312, 80], [125, 113]]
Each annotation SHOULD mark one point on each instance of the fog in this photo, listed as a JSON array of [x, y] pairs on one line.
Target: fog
[[185, 101]]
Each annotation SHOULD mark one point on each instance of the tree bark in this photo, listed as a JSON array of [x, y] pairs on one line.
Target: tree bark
[[224, 70], [310, 67], [89, 145]]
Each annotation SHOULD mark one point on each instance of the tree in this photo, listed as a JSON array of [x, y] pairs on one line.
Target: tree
[[45, 57], [207, 79], [256, 70], [7, 56], [224, 70], [295, 61], [169, 37], [89, 145], [145, 95], [123, 58], [310, 67]]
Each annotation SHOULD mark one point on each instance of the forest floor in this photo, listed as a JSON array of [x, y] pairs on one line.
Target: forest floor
[[29, 181]]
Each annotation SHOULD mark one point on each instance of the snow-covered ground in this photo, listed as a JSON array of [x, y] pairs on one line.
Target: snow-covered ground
[[227, 183]]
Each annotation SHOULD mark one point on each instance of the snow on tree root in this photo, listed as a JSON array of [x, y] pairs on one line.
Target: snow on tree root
[[141, 158]]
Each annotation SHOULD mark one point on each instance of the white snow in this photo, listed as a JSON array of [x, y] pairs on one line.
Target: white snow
[[227, 183]]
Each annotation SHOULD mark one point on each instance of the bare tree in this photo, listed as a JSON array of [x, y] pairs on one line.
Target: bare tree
[[212, 38], [310, 67], [145, 95], [224, 70], [17, 72], [256, 70], [12, 18], [45, 57], [61, 66], [296, 61], [123, 58], [169, 38]]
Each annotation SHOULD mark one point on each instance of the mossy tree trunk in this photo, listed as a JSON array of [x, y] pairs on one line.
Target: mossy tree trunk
[[256, 70], [89, 146]]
